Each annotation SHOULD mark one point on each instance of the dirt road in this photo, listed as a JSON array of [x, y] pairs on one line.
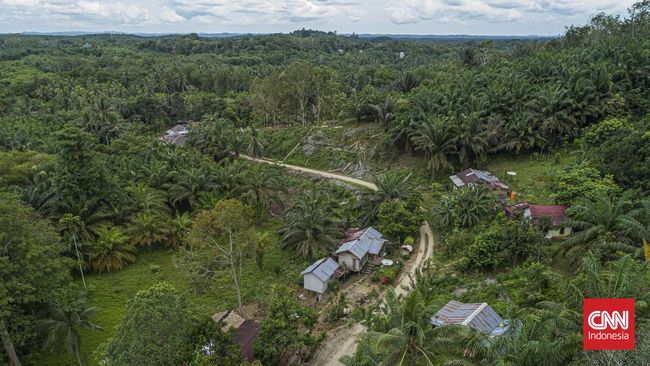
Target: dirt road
[[343, 178], [342, 341]]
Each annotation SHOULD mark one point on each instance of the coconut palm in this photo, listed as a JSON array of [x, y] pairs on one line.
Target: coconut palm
[[111, 251], [434, 137], [64, 325], [311, 227]]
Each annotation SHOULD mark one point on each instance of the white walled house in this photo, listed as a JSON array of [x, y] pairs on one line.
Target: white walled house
[[359, 247], [319, 274]]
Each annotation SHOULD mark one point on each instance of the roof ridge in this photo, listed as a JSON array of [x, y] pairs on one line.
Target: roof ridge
[[473, 315]]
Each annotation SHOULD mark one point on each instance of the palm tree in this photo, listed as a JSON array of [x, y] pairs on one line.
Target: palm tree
[[355, 108], [310, 227], [433, 136], [255, 147], [148, 228], [259, 187], [553, 107], [384, 113], [609, 223], [180, 226], [189, 186], [146, 198], [411, 338], [520, 133], [464, 207], [394, 186], [470, 137], [111, 251], [64, 325]]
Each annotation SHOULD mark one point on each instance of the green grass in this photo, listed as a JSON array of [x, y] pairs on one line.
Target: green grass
[[533, 174], [111, 291]]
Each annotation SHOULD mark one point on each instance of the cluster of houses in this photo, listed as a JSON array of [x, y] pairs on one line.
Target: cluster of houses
[[359, 248], [549, 218], [176, 135]]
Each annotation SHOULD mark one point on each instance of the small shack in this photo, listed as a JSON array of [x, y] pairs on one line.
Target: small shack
[[479, 316], [473, 177], [359, 247], [550, 216], [320, 273], [244, 331]]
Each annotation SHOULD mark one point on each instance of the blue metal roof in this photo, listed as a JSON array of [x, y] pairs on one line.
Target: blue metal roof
[[322, 268], [478, 316], [369, 242]]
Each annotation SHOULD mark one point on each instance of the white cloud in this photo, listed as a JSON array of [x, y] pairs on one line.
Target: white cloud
[[414, 11], [379, 16]]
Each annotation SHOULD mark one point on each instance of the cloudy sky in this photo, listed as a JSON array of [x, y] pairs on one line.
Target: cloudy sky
[[495, 17]]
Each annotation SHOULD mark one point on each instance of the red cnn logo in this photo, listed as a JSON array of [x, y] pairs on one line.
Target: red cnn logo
[[608, 324]]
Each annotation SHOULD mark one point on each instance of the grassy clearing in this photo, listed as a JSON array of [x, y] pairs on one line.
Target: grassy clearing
[[533, 173], [111, 292]]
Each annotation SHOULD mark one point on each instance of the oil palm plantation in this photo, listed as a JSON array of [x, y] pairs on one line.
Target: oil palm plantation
[[409, 338], [434, 137], [179, 227], [255, 147], [384, 113], [311, 226], [259, 187], [147, 229], [111, 251], [610, 223], [62, 328]]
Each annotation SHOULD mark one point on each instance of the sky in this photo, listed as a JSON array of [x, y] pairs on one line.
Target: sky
[[487, 17]]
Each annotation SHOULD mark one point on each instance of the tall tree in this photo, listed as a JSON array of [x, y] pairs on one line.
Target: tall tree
[[32, 273], [223, 234], [435, 138]]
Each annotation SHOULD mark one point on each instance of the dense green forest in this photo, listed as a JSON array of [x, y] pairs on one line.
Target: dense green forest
[[116, 247]]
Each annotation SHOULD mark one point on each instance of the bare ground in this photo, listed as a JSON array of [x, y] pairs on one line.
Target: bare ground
[[342, 341]]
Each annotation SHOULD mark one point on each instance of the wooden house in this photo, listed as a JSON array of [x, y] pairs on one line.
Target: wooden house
[[359, 247]]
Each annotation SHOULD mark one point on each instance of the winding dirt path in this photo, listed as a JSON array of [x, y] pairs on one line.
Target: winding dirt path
[[342, 341], [343, 178]]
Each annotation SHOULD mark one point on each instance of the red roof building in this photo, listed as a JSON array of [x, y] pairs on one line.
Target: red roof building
[[556, 213]]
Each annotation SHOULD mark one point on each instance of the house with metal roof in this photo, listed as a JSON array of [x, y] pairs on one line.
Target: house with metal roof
[[551, 217], [245, 332], [472, 177], [320, 273], [358, 247], [477, 316]]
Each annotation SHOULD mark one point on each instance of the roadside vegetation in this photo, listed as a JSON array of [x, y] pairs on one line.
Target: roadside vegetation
[[117, 247]]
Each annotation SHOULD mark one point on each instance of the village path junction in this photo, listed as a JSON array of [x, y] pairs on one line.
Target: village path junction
[[342, 341]]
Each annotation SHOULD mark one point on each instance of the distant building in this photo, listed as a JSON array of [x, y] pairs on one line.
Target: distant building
[[551, 215], [402, 54], [359, 247], [179, 129], [320, 273], [244, 334], [477, 316], [473, 177]]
